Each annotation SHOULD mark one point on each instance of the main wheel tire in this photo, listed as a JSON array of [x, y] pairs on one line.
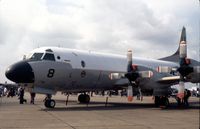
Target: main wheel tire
[[84, 98], [81, 98], [164, 102], [157, 101]]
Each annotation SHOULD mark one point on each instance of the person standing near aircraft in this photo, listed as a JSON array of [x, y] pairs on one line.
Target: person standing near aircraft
[[32, 97], [21, 96], [186, 97], [5, 91], [18, 91]]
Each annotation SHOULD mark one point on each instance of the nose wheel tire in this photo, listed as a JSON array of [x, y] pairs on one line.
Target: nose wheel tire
[[49, 103], [157, 101]]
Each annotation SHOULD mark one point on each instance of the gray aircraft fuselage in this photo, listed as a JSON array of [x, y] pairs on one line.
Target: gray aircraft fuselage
[[59, 69]]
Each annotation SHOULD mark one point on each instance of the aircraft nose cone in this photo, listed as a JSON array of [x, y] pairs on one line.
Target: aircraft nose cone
[[20, 72]]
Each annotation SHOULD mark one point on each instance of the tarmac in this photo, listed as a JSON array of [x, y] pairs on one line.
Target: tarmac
[[118, 114]]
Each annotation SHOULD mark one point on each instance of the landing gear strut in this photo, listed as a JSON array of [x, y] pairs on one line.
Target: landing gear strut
[[84, 98], [48, 102], [161, 101]]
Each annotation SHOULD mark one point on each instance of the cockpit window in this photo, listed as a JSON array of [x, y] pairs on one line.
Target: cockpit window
[[49, 56], [36, 56]]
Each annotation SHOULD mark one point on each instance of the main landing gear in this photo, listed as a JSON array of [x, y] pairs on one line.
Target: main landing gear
[[161, 101], [183, 102], [48, 102], [84, 98]]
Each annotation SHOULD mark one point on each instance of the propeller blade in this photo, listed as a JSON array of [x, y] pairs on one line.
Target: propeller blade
[[196, 69], [129, 59], [129, 69], [181, 89], [130, 93], [183, 49], [146, 74]]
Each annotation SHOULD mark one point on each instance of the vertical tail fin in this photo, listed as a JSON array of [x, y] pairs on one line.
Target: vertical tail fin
[[183, 34], [175, 57]]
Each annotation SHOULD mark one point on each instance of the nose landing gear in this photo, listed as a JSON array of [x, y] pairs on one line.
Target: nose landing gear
[[48, 102]]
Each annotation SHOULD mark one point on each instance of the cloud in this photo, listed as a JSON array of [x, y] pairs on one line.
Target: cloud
[[148, 27]]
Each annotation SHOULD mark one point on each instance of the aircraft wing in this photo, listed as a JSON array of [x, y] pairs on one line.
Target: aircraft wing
[[169, 80], [122, 82], [161, 80]]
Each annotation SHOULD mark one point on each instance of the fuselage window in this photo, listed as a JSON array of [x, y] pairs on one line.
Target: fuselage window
[[58, 57], [49, 56], [83, 63], [36, 56]]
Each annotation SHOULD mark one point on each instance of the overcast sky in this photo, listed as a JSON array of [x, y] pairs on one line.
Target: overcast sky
[[150, 27]]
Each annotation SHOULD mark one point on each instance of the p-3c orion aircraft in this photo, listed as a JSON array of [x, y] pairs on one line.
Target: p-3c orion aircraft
[[47, 70]]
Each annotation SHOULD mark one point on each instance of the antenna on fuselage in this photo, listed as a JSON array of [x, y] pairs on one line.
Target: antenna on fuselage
[[24, 57]]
